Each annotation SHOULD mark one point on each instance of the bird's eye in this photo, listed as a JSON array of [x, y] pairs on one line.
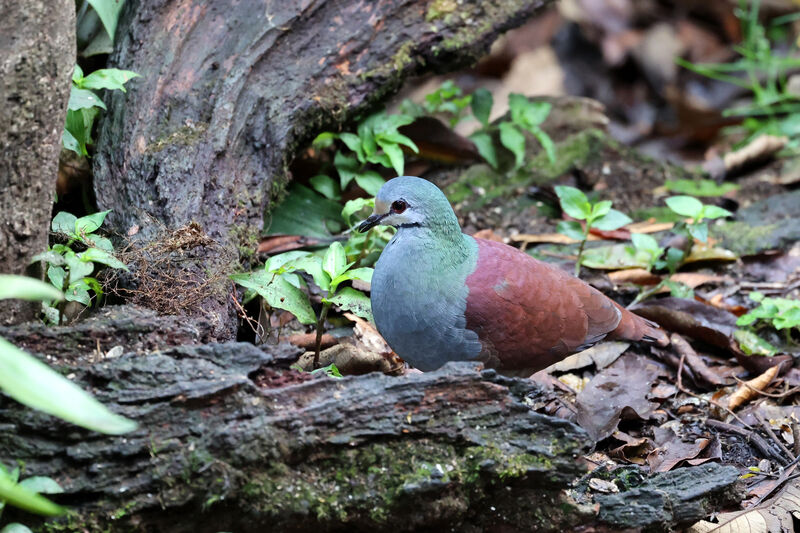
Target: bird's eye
[[398, 206]]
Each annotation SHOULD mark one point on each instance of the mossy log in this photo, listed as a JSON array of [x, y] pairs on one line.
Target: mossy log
[[232, 439], [230, 90]]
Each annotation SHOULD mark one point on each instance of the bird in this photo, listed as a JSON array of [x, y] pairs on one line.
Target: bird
[[440, 295]]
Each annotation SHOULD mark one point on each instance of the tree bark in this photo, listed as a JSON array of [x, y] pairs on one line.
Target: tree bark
[[230, 439], [231, 89], [37, 54]]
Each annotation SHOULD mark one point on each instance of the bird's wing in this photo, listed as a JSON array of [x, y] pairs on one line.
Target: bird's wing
[[530, 314]]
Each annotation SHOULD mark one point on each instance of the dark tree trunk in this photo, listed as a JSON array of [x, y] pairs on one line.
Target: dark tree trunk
[[231, 89], [230, 439], [37, 53]]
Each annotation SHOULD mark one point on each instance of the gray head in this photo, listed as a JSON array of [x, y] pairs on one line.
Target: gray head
[[409, 201]]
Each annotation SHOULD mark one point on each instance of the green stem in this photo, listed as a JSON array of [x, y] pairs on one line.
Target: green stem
[[320, 328], [580, 255]]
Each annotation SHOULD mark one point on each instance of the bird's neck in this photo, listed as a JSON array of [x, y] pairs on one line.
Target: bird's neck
[[445, 245]]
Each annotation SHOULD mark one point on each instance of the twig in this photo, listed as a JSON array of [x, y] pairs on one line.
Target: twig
[[695, 363], [709, 400], [772, 435], [796, 435], [754, 438]]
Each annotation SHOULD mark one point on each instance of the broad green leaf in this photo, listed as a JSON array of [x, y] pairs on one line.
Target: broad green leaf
[[64, 222], [324, 140], [326, 186], [354, 301], [525, 113], [485, 145], [101, 256], [363, 274], [78, 125], [97, 241], [278, 293], [514, 141], [78, 291], [712, 211], [34, 384], [78, 269], [612, 220], [398, 138], [546, 142], [16, 527], [674, 258], [280, 263], [685, 205], [90, 223], [601, 208], [25, 288], [108, 78], [57, 276], [646, 243], [482, 101], [615, 257], [108, 11], [699, 231], [41, 485], [305, 212], [699, 187], [573, 202], [752, 344], [77, 75], [678, 289], [334, 262], [571, 229], [50, 257], [354, 206], [331, 371], [311, 264], [71, 143], [18, 496], [348, 168], [370, 181], [395, 154], [353, 141], [83, 98], [380, 158]]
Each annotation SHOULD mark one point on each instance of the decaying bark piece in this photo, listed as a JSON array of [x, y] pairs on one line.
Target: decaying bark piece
[[455, 448], [37, 53], [229, 90]]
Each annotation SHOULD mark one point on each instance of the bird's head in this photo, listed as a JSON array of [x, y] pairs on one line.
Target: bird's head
[[409, 201]]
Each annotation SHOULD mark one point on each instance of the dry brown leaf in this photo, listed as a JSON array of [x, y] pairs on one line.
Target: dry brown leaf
[[744, 392], [600, 355], [650, 226], [773, 516], [760, 149], [639, 276], [548, 238]]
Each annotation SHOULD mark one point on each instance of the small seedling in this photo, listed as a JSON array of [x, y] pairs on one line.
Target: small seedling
[[84, 104], [780, 313], [697, 212], [71, 271], [598, 215], [279, 285]]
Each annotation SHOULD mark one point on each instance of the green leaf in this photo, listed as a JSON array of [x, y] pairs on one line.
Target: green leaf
[[600, 209], [395, 154], [78, 291], [525, 113], [353, 142], [108, 11], [304, 212], [71, 143], [354, 206], [16, 527], [78, 127], [348, 168], [108, 78], [326, 186], [485, 145], [482, 102], [674, 259], [398, 138], [278, 293], [331, 371], [756, 296], [78, 269], [612, 220], [678, 289], [546, 142], [324, 140], [281, 262], [615, 257], [646, 243], [713, 211], [77, 75], [334, 262], [363, 274], [50, 257], [699, 231], [699, 187], [90, 223], [573, 202], [41, 485], [752, 344], [18, 496], [34, 384], [57, 277], [101, 256], [64, 222], [514, 141], [311, 264], [370, 181], [83, 98], [571, 229], [349, 299], [97, 241], [686, 206], [25, 288]]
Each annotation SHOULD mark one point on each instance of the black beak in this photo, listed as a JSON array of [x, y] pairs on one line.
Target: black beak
[[371, 222]]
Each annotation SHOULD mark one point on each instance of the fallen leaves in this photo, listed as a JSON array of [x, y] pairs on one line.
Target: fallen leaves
[[747, 390]]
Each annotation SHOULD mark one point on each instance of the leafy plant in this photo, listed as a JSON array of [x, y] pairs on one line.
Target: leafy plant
[[598, 215], [32, 383], [525, 115], [71, 271], [699, 187], [84, 104], [280, 286], [774, 109], [698, 212], [780, 313]]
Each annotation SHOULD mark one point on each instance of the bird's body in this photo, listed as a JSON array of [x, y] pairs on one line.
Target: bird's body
[[439, 295]]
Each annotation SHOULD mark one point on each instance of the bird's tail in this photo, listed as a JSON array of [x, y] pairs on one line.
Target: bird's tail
[[635, 328]]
